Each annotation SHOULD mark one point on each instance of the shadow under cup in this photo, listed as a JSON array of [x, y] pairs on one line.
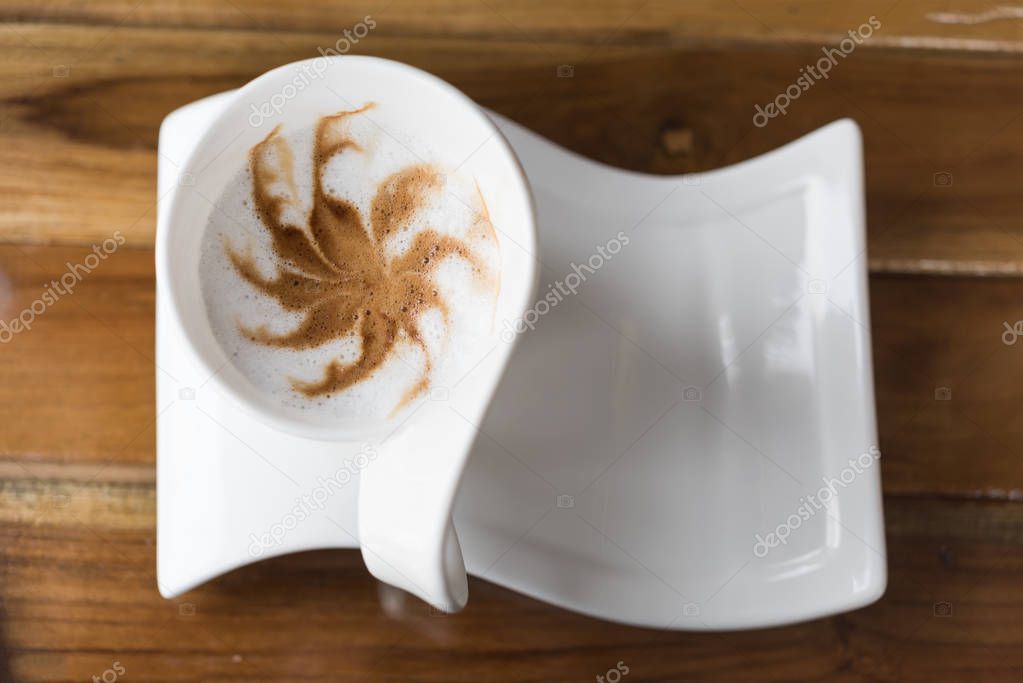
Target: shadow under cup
[[428, 117]]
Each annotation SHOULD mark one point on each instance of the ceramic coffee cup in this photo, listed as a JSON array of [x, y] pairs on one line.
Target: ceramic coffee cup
[[406, 494]]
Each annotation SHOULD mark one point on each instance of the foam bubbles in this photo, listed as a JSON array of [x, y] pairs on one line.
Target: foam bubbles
[[469, 288]]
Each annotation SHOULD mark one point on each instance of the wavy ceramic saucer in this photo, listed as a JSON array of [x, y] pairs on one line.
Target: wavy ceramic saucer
[[685, 437]]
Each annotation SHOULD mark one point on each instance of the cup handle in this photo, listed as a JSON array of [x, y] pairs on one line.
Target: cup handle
[[405, 500]]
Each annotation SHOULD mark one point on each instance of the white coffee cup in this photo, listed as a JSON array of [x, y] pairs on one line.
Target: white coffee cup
[[406, 494]]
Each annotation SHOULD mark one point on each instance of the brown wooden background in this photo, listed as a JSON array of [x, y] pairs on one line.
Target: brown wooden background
[[658, 86]]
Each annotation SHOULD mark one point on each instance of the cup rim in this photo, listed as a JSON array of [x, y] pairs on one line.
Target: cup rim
[[266, 413]]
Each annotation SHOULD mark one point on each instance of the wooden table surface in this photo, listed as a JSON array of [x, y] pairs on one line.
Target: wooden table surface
[[658, 86]]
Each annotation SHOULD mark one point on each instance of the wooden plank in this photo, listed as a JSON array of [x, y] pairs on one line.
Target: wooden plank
[[947, 395], [969, 24], [80, 107], [79, 386], [79, 595]]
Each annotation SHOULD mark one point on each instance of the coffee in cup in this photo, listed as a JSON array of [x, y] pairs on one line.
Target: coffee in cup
[[341, 271]]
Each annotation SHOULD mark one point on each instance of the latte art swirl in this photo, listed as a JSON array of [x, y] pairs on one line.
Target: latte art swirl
[[385, 271]]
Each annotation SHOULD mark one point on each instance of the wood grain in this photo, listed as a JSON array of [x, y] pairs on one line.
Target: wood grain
[[966, 25], [79, 385], [85, 582], [938, 333], [80, 107]]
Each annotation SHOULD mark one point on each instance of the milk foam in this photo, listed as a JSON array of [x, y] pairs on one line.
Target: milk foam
[[453, 209]]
